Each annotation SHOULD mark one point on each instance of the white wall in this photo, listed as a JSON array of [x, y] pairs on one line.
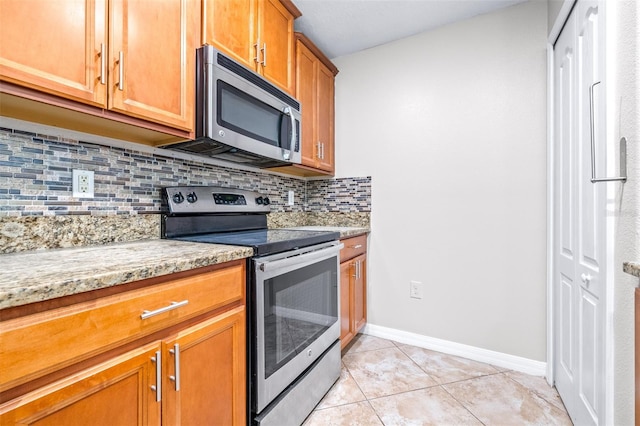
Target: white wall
[[623, 67], [553, 10], [451, 125]]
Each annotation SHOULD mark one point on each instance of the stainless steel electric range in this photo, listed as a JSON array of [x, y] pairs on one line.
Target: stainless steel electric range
[[293, 296]]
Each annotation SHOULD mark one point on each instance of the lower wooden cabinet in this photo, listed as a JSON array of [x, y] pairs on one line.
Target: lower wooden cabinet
[[191, 372], [353, 288], [116, 392], [206, 373], [347, 328]]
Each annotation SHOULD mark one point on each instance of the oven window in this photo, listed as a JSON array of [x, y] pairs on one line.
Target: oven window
[[247, 115], [299, 306]]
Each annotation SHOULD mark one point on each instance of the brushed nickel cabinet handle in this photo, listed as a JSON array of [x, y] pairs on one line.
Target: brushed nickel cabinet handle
[[176, 362], [121, 71], [174, 305], [356, 266], [103, 65], [264, 55], [158, 386], [357, 246], [257, 47]]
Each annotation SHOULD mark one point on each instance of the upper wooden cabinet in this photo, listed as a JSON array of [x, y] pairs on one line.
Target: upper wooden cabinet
[[257, 33], [151, 65], [63, 50], [315, 90], [131, 57]]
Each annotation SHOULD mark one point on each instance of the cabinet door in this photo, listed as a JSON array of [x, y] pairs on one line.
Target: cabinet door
[[325, 117], [55, 47], [360, 294], [346, 324], [306, 71], [229, 25], [116, 392], [152, 60], [275, 29], [209, 371]]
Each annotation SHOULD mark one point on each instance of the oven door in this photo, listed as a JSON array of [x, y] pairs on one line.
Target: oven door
[[296, 315]]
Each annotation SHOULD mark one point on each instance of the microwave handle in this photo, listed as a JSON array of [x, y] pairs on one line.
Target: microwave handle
[[292, 143]]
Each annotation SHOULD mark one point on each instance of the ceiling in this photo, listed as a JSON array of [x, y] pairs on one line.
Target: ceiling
[[342, 27]]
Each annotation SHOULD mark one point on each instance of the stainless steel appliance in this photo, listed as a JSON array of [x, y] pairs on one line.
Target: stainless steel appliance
[[293, 303], [240, 116]]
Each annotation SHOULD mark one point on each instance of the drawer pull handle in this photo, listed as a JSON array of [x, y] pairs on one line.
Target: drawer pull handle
[[176, 361], [357, 246], [174, 305]]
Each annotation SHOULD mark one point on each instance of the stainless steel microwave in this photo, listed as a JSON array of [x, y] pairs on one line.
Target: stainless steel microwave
[[240, 116]]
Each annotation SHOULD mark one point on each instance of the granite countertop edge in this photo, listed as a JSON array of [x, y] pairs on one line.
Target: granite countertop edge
[[37, 276], [40, 275], [345, 231], [632, 268]]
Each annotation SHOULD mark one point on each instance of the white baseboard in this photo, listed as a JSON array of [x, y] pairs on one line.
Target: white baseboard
[[499, 359]]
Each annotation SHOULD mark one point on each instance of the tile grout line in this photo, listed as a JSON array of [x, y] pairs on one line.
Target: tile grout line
[[534, 390], [440, 385], [464, 405], [539, 395]]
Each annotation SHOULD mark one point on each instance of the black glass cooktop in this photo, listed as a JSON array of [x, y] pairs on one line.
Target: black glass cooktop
[[266, 241]]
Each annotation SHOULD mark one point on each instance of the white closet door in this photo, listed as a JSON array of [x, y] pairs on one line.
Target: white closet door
[[564, 284], [580, 208]]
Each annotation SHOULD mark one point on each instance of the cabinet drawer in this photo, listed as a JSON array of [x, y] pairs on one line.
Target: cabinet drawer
[[35, 345], [353, 247]]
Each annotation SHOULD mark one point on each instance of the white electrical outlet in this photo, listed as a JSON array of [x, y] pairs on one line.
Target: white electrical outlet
[[82, 184], [415, 290], [290, 200]]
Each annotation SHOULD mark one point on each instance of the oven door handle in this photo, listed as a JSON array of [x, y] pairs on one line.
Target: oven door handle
[[298, 257]]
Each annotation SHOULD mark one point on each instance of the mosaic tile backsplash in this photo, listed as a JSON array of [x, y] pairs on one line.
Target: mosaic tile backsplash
[[37, 209]]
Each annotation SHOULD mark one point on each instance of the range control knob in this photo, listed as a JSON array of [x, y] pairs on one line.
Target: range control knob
[[192, 197], [266, 201], [259, 201], [178, 198]]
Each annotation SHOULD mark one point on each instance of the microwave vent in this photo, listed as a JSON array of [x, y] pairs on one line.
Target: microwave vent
[[256, 80], [213, 149]]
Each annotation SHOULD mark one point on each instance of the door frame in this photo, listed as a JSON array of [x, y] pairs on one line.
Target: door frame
[[554, 33]]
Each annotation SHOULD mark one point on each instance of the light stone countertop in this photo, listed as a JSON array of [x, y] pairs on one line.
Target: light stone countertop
[[632, 268], [345, 231], [34, 276]]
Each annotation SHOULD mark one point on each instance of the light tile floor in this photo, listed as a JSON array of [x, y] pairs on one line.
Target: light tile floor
[[388, 383]]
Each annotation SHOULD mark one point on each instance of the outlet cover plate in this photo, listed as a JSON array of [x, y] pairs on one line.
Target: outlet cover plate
[[83, 185], [415, 290]]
